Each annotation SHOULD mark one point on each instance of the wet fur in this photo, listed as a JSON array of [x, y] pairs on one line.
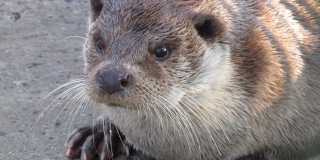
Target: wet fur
[[251, 88]]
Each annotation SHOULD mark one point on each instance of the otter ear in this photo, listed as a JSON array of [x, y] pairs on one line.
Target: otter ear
[[96, 8], [208, 26]]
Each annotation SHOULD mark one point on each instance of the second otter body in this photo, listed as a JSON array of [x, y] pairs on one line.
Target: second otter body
[[208, 79]]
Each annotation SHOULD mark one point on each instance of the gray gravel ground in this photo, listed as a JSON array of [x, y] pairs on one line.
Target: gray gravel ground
[[36, 58]]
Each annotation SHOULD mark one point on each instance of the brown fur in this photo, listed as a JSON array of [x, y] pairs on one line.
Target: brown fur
[[262, 90]]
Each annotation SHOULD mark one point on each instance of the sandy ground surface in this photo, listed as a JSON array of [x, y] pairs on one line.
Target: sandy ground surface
[[35, 58]]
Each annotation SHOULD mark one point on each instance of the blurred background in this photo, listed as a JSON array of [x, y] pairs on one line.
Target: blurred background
[[38, 53]]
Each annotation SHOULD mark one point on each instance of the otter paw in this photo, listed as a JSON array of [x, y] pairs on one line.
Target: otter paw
[[92, 142]]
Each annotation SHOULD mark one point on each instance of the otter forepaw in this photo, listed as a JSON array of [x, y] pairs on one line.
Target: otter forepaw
[[92, 142]]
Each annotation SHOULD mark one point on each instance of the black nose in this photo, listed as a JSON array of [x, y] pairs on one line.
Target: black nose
[[113, 79]]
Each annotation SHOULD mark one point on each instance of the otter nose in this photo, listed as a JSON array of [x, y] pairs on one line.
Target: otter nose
[[113, 80]]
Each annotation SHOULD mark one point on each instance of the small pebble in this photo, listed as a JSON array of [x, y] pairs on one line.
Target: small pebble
[[2, 133], [68, 1], [14, 16]]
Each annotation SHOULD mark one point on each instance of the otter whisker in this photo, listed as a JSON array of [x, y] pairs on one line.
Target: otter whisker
[[94, 127], [56, 73], [148, 111], [157, 114], [186, 125], [105, 134], [46, 97], [81, 103], [166, 105], [120, 137], [173, 116], [197, 103], [110, 132], [88, 102], [72, 104], [80, 37], [163, 109], [65, 95], [189, 124], [73, 100], [161, 124], [171, 110], [78, 106], [95, 109], [63, 108], [60, 87], [204, 124], [196, 113], [170, 113]]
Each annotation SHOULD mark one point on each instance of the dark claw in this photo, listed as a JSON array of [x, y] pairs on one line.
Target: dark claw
[[113, 146], [103, 140], [88, 143], [76, 141], [91, 146]]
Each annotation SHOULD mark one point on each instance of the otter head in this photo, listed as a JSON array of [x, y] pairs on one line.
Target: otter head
[[150, 53]]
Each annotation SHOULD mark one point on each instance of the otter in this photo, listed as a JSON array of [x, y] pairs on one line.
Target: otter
[[202, 79]]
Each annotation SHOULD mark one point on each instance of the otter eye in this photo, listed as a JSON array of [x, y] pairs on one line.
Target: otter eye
[[161, 52], [99, 45]]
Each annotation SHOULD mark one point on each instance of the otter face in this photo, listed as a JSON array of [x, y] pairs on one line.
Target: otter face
[[139, 53]]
